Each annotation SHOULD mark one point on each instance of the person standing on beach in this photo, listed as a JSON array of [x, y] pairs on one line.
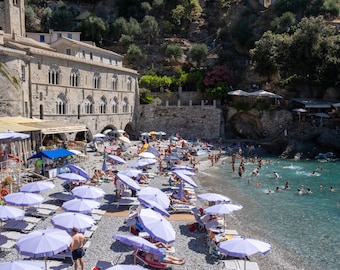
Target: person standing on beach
[[76, 247]]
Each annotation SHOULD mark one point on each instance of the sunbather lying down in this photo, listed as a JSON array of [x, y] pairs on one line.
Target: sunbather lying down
[[164, 258]]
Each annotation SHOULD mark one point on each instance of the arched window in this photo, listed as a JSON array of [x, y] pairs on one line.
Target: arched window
[[61, 104], [115, 82], [129, 84], [115, 105], [125, 105], [74, 77], [89, 105], [54, 75], [96, 80], [102, 105]]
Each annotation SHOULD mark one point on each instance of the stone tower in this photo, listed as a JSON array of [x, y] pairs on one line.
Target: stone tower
[[12, 17]]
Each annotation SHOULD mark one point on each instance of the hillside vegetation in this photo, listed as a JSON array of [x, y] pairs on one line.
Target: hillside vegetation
[[212, 46]]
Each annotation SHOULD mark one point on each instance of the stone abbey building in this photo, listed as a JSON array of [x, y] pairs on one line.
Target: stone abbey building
[[55, 76]]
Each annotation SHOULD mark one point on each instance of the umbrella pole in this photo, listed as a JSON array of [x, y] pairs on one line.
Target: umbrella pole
[[245, 263], [225, 223], [45, 263]]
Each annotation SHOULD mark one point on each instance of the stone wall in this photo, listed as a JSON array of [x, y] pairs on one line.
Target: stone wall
[[191, 122]]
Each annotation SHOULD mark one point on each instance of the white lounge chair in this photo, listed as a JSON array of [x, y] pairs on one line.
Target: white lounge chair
[[181, 208], [239, 265]]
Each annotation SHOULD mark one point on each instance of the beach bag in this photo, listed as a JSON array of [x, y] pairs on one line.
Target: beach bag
[[192, 227]]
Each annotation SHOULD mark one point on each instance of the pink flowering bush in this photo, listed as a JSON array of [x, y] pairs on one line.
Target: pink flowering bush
[[217, 81]]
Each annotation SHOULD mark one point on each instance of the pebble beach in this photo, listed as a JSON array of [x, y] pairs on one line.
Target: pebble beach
[[104, 251]]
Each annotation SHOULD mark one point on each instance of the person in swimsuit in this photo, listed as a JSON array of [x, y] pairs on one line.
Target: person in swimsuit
[[76, 247]]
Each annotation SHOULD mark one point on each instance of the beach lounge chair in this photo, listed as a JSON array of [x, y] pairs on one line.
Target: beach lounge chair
[[19, 225], [127, 201], [38, 212], [181, 208], [239, 265], [157, 265], [6, 244], [197, 214]]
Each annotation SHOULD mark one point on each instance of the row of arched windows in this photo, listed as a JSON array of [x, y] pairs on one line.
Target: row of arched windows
[[54, 78], [89, 104]]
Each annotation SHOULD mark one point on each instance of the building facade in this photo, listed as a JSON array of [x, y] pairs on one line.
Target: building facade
[[66, 80]]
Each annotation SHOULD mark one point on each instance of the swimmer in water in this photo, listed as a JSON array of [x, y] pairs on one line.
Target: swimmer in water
[[331, 189], [299, 192], [287, 185], [276, 175], [269, 191], [278, 189], [309, 191]]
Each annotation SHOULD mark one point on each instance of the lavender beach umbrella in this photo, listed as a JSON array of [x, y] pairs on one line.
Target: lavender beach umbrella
[[22, 265], [116, 159], [23, 199], [80, 205], [36, 187], [43, 243], [78, 170], [69, 220], [138, 242], [72, 177], [157, 226], [88, 192], [243, 247]]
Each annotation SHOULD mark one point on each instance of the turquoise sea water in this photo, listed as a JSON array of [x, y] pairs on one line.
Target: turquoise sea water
[[305, 227]]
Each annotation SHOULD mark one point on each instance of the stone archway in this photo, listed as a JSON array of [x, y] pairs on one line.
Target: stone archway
[[108, 127], [130, 131]]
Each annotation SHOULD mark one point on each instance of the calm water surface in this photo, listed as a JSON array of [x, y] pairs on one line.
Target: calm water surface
[[306, 227]]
